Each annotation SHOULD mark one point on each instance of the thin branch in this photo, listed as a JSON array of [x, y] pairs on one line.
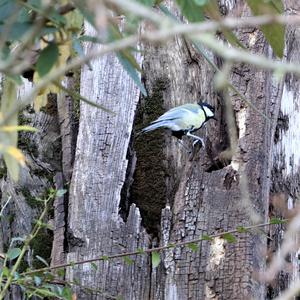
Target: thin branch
[[228, 22], [231, 54], [76, 96], [288, 244], [24, 249], [291, 292], [4, 206], [150, 250]]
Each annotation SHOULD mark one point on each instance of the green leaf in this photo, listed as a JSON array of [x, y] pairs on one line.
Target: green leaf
[[5, 271], [67, 293], [193, 246], [48, 30], [45, 292], [7, 8], [241, 229], [147, 2], [17, 79], [76, 45], [191, 10], [57, 18], [127, 59], [61, 272], [206, 237], [274, 33], [140, 250], [278, 5], [89, 38], [76, 95], [13, 128], [60, 193], [230, 238], [277, 221], [155, 259], [17, 276], [128, 260], [87, 14], [211, 8], [42, 260], [129, 68], [200, 2], [104, 257], [8, 102], [17, 31], [47, 59], [94, 266], [37, 280], [13, 253]]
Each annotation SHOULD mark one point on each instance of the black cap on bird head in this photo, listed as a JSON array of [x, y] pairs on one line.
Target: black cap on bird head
[[209, 111]]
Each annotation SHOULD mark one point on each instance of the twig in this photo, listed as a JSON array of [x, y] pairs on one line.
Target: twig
[[4, 206], [230, 54], [142, 251], [30, 237], [291, 292], [74, 95]]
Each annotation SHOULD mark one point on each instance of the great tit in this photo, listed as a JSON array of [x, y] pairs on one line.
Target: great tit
[[184, 119]]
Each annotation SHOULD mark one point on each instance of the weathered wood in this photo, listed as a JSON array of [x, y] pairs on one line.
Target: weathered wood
[[180, 197], [286, 161], [42, 152], [208, 198], [95, 227], [68, 132]]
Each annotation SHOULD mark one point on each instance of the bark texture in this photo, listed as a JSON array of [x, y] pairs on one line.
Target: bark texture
[[128, 191], [95, 226], [201, 195], [285, 165], [42, 152]]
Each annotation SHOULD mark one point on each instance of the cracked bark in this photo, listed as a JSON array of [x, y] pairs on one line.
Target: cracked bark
[[42, 152], [174, 197], [191, 197]]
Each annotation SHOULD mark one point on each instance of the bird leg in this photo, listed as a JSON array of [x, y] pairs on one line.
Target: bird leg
[[197, 139]]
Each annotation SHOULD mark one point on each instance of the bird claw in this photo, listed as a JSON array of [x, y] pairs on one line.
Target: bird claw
[[197, 141]]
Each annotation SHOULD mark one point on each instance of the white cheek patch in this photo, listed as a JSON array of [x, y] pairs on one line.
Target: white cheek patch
[[208, 112]]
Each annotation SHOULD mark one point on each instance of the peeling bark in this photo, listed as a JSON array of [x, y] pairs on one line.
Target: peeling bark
[[94, 224], [128, 191]]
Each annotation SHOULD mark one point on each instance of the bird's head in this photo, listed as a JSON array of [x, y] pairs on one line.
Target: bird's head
[[209, 110]]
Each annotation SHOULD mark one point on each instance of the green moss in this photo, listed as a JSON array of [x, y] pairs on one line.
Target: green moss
[[149, 190], [42, 246], [76, 101]]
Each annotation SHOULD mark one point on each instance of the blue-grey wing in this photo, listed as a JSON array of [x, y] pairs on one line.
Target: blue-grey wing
[[179, 112]]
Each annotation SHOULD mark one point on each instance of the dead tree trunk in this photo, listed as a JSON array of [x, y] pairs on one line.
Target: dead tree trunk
[[203, 195], [128, 193]]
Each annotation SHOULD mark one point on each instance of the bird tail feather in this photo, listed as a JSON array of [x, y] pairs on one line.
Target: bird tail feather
[[156, 125]]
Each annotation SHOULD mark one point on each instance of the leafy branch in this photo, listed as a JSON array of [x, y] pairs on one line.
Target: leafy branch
[[19, 253], [227, 235], [188, 30]]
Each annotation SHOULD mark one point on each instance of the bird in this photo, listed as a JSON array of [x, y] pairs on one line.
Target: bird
[[184, 120]]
